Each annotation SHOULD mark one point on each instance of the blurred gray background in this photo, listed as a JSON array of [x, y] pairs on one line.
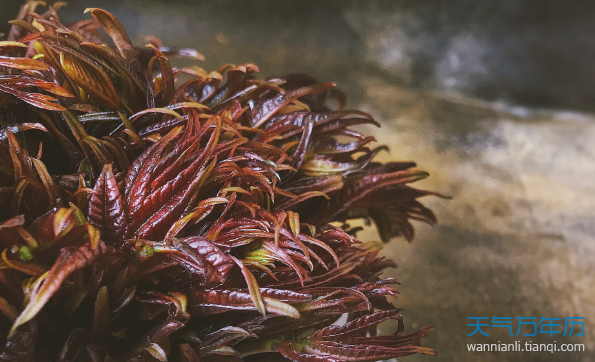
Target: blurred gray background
[[493, 98]]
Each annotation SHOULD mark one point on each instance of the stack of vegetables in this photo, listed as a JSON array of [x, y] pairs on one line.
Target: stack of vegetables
[[155, 213]]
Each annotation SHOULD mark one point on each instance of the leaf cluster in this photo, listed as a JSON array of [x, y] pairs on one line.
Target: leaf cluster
[[157, 213]]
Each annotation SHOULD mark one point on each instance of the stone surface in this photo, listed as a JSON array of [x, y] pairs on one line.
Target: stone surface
[[517, 239]]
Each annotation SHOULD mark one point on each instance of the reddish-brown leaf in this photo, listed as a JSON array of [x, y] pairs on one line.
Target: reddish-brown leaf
[[13, 84], [92, 79], [207, 302], [70, 259], [116, 31], [262, 110], [22, 63], [356, 327], [106, 207]]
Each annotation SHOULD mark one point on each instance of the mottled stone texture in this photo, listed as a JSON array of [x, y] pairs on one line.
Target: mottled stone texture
[[518, 238]]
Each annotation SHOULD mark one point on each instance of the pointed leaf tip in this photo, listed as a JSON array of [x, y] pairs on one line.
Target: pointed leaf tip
[[106, 207]]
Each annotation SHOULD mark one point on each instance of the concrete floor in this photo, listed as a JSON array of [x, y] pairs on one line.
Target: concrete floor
[[517, 239]]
